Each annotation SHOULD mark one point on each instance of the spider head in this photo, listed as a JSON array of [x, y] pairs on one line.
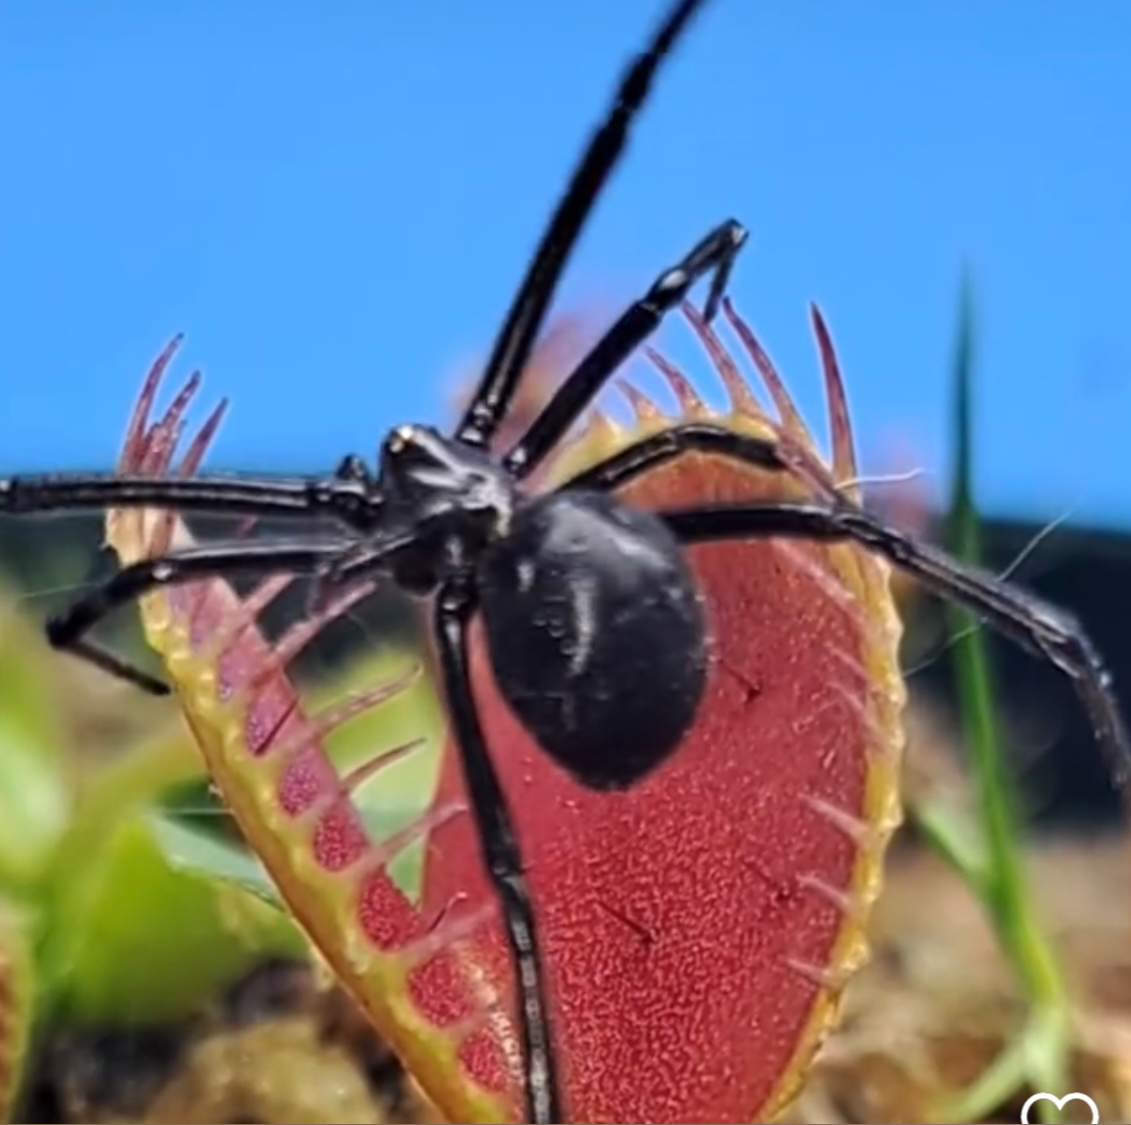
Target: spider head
[[452, 499]]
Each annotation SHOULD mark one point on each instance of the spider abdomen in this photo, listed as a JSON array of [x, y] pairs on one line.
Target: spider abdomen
[[596, 633]]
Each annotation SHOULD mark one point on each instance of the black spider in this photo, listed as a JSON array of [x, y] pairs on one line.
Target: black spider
[[444, 519]]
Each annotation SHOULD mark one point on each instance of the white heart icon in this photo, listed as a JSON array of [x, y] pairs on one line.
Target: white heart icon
[[1060, 1103]]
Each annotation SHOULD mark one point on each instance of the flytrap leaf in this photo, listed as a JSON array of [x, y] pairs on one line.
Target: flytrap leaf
[[268, 756], [698, 930]]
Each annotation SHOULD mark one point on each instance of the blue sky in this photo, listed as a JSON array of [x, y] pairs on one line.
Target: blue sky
[[335, 201]]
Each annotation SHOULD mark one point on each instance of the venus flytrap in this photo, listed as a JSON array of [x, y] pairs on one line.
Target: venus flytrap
[[766, 834]]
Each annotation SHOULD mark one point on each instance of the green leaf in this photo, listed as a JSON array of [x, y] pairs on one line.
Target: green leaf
[[956, 839], [149, 929], [34, 801], [205, 855]]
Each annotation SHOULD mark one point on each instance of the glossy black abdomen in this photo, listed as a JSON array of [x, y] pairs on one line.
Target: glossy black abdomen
[[596, 633]]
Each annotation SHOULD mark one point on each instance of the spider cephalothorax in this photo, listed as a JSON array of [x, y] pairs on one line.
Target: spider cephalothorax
[[589, 603]]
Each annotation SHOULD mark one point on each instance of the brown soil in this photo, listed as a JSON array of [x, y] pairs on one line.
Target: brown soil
[[281, 1047], [938, 1002]]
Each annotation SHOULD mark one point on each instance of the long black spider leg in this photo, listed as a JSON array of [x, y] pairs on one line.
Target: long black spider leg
[[1042, 629], [67, 630], [688, 437], [347, 497], [716, 253], [454, 608], [516, 338], [1031, 622]]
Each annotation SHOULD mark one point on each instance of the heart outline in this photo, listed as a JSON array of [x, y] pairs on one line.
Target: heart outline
[[1060, 1103]]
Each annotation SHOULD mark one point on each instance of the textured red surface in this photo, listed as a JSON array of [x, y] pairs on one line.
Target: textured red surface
[[678, 918]]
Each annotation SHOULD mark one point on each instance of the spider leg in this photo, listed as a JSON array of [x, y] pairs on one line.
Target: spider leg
[[715, 253], [351, 500], [527, 312], [688, 437], [1044, 630], [67, 630], [454, 608]]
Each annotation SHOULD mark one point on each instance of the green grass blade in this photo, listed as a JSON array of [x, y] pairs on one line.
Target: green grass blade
[[968, 643], [1043, 1045]]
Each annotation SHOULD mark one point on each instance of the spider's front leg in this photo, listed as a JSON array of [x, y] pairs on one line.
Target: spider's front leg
[[715, 255], [454, 607], [495, 393], [67, 631]]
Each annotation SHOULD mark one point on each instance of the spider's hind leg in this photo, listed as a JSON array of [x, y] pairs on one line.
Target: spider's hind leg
[[1044, 630]]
